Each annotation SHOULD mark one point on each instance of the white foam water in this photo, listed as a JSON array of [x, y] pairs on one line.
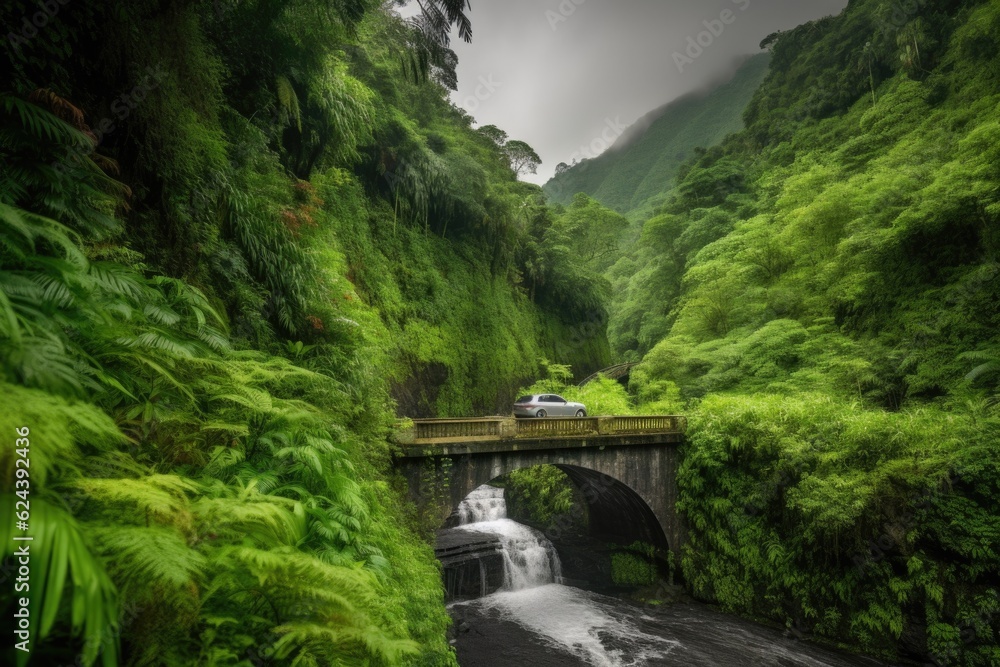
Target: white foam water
[[578, 623], [529, 558], [486, 503]]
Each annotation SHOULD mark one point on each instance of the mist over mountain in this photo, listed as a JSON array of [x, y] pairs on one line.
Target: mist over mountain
[[642, 164]]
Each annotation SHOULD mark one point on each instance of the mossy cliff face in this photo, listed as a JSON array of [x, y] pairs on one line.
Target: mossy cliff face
[[230, 235]]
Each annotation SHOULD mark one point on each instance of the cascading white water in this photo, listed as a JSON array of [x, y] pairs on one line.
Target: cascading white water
[[588, 626], [485, 503], [530, 560], [566, 618]]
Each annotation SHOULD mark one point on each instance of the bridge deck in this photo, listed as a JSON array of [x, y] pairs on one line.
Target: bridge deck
[[429, 437]]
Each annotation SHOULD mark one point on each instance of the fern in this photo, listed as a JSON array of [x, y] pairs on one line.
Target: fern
[[289, 100], [323, 643], [988, 366], [161, 498], [273, 256], [144, 560], [63, 564], [67, 428], [270, 521], [44, 125]]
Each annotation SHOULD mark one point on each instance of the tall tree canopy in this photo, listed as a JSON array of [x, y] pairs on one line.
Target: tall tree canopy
[[522, 157]]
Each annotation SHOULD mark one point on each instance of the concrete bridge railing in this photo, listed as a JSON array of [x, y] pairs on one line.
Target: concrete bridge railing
[[445, 431]]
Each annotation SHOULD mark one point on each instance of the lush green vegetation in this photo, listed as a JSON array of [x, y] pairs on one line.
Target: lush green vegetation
[[874, 528], [237, 239], [539, 496], [233, 243], [199, 501], [601, 396], [820, 293], [634, 566]]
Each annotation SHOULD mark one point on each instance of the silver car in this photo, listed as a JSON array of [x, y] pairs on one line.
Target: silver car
[[547, 405]]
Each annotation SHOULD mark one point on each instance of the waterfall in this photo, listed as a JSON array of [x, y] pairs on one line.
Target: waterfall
[[589, 628], [529, 558], [484, 504]]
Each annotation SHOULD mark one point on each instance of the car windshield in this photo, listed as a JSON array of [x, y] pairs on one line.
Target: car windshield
[[524, 399]]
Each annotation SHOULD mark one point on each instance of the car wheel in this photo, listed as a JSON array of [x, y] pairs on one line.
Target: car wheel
[[581, 413], [540, 414]]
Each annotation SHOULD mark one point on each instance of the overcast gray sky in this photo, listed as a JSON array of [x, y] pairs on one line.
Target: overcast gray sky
[[558, 73]]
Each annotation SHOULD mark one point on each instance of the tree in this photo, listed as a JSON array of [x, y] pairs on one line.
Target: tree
[[439, 15], [768, 42], [522, 157], [430, 36], [593, 232], [494, 134]]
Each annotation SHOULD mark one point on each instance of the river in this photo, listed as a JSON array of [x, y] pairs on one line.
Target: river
[[535, 620]]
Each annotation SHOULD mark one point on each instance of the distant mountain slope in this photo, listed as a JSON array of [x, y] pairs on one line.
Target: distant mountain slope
[[646, 163]]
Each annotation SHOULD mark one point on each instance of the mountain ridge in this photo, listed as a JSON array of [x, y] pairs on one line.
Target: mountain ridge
[[643, 164]]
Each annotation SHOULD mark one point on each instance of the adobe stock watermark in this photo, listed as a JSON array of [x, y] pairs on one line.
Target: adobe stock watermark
[[397, 175], [593, 491], [33, 23], [714, 28], [582, 333], [893, 537], [974, 630], [484, 91], [612, 130], [123, 105], [121, 108], [902, 12], [566, 9]]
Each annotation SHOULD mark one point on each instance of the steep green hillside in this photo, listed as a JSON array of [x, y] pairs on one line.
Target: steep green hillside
[[822, 292], [230, 234], [643, 164]]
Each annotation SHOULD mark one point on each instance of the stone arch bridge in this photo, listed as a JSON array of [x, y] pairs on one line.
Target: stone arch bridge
[[625, 467]]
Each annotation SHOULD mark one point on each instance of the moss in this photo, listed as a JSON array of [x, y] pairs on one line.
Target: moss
[[634, 566]]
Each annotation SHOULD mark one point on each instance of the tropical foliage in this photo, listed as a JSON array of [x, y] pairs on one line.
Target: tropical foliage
[[232, 246], [238, 238], [194, 500], [819, 293]]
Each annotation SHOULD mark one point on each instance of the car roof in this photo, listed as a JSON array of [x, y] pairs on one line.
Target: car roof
[[534, 396]]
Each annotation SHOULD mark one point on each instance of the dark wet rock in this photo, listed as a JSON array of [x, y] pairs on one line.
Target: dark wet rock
[[472, 563]]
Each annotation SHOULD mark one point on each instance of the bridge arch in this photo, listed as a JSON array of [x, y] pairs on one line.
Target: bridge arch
[[629, 481], [616, 512]]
